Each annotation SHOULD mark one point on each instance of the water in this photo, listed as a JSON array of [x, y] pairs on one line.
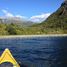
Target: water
[[37, 51]]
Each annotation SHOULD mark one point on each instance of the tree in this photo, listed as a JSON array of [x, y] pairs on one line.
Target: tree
[[11, 30]]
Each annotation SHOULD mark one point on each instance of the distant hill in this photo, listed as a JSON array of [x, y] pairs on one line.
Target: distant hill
[[16, 20], [56, 22]]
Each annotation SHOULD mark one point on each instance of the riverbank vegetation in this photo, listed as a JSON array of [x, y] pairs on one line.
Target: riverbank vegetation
[[15, 29]]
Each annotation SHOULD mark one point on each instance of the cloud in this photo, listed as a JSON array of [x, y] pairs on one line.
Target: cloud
[[36, 18], [10, 15], [7, 14], [19, 16], [40, 18]]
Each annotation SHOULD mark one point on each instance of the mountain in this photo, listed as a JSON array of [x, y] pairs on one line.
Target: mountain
[[56, 22], [15, 20]]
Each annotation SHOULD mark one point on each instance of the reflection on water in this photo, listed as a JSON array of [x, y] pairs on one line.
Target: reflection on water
[[37, 52]]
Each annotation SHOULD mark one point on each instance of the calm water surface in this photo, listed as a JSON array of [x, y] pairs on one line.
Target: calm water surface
[[37, 51]]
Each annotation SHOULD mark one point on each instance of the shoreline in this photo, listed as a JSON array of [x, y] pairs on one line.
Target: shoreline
[[30, 36]]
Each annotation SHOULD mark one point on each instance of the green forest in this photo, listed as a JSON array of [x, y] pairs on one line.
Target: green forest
[[15, 29]]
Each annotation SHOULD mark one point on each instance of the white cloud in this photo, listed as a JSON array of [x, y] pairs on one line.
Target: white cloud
[[10, 15], [36, 18], [19, 16], [7, 14], [39, 18]]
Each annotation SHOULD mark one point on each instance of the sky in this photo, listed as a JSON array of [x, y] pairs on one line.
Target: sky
[[34, 10]]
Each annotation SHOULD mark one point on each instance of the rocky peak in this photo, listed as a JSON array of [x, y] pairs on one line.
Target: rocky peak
[[64, 3], [64, 8]]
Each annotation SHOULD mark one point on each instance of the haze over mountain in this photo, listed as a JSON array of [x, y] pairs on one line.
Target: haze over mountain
[[16, 20], [35, 19], [10, 16]]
